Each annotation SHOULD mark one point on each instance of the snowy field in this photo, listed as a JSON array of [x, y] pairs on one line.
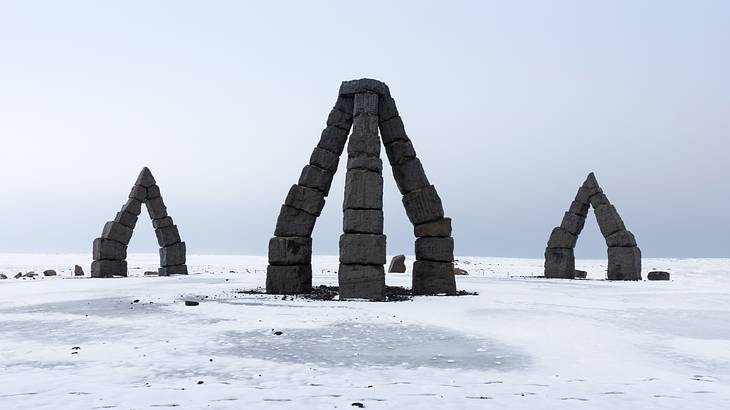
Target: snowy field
[[522, 343]]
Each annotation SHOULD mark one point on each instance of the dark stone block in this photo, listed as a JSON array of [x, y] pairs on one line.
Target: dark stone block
[[172, 255], [108, 269], [156, 208], [153, 192], [293, 222], [579, 208], [167, 236], [410, 176], [173, 270], [117, 232], [162, 223], [317, 178], [624, 263], [363, 190], [598, 200], [126, 219], [105, 249], [333, 139], [658, 275], [435, 249], [423, 205], [138, 192], [392, 130], [609, 220], [324, 159], [309, 200], [145, 178], [289, 280], [430, 278], [366, 104], [438, 228], [580, 274], [364, 138], [132, 206], [561, 238], [364, 85], [559, 263], [573, 223], [621, 238], [397, 264], [339, 119], [362, 249], [361, 282], [290, 251], [366, 163], [345, 103], [363, 221], [400, 152], [386, 108]]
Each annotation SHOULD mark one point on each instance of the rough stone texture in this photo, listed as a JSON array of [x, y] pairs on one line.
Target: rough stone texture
[[333, 139], [309, 200], [410, 176], [364, 138], [290, 251], [127, 219], [386, 108], [167, 236], [345, 103], [161, 223], [365, 103], [459, 271], [433, 278], [362, 249], [586, 192], [364, 85], [373, 164], [423, 205], [49, 272], [289, 280], [117, 232], [105, 249], [153, 192], [363, 190], [156, 208], [559, 263], [172, 255], [138, 192], [108, 269], [339, 119], [435, 249], [621, 238], [400, 152], [361, 282], [78, 270], [580, 274], [363, 221], [324, 159], [598, 200], [172, 270], [624, 263], [658, 275], [609, 220], [397, 264], [579, 208], [393, 130], [573, 223], [293, 222], [561, 238], [439, 228], [145, 178], [132, 206], [317, 178]]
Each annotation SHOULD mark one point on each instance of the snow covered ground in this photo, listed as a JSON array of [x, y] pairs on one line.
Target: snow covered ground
[[522, 343]]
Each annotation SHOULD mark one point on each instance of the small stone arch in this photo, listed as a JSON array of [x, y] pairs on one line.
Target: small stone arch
[[624, 256], [110, 249]]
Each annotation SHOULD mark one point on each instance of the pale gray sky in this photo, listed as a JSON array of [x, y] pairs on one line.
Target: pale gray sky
[[509, 106]]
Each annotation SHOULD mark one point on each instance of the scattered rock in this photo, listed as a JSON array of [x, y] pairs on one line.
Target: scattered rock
[[2, 276], [150, 273], [358, 405], [18, 275], [191, 303], [30, 274], [278, 333], [580, 274], [658, 275], [78, 270], [200, 382], [49, 272], [459, 271]]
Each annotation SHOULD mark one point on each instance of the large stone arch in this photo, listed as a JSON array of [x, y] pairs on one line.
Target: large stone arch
[[624, 257], [110, 250], [365, 106]]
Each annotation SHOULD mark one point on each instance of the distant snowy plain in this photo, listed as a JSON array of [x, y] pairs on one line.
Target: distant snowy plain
[[521, 343]]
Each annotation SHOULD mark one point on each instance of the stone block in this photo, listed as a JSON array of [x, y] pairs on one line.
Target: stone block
[[339, 119], [573, 223], [400, 152], [367, 163], [172, 270], [658, 275], [333, 139], [423, 205], [132, 206], [585, 193], [167, 236], [153, 192], [309, 200], [559, 263], [290, 251], [430, 278], [393, 130], [345, 103], [364, 85], [126, 219], [172, 255], [363, 221], [293, 222], [361, 282], [438, 228], [108, 269], [117, 232], [317, 178], [156, 208], [435, 249], [324, 159], [363, 190], [138, 192], [397, 264], [580, 274], [621, 238], [598, 200], [145, 178], [105, 249], [362, 249], [386, 108], [410, 176], [289, 280], [366, 104], [624, 263], [609, 220], [561, 238], [364, 138], [579, 208], [162, 222]]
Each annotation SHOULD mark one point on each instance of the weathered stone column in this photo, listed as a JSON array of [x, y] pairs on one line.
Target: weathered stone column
[[362, 245]]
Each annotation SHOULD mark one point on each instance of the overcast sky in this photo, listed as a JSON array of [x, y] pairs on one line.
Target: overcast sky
[[509, 106]]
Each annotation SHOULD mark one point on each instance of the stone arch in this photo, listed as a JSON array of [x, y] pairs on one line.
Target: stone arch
[[363, 106], [110, 249], [624, 256]]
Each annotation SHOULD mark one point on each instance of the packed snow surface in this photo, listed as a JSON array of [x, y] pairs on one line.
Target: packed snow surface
[[521, 343]]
